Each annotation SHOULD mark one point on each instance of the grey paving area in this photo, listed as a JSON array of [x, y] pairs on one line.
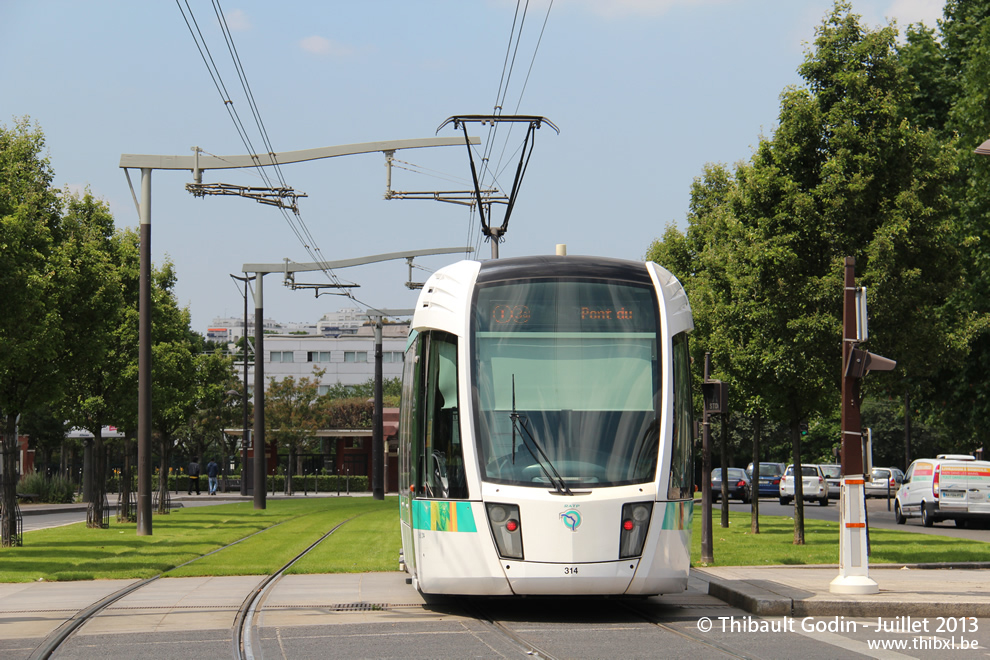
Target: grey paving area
[[758, 612], [379, 615]]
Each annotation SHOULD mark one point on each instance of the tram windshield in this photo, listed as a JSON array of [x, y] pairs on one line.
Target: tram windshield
[[566, 382]]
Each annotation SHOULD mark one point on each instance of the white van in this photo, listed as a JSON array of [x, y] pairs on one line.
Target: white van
[[950, 487]]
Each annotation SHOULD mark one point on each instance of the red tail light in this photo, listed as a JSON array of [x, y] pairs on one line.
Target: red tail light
[[938, 470], [741, 484]]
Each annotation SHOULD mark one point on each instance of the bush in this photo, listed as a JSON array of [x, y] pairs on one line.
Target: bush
[[57, 490], [325, 483]]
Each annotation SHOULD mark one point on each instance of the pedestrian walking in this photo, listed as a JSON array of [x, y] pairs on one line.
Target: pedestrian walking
[[212, 471], [193, 476]]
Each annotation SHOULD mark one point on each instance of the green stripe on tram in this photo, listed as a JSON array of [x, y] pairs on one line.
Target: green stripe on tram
[[443, 516]]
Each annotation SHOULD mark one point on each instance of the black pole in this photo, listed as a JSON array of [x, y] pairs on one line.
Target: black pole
[[144, 363], [259, 395], [377, 432], [707, 556], [724, 496]]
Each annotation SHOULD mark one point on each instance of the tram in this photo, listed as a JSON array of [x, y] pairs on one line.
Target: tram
[[545, 436]]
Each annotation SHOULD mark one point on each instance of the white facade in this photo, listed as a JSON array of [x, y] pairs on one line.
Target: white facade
[[230, 329], [344, 321], [348, 359]]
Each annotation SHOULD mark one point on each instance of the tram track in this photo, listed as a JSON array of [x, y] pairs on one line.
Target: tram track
[[704, 640], [57, 638], [246, 645], [480, 614]]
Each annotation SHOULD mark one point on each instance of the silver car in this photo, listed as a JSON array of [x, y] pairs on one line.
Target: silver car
[[884, 482], [833, 475], [814, 486]]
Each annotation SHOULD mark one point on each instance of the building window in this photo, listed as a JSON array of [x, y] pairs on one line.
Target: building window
[[281, 356], [392, 356], [355, 356], [318, 356]]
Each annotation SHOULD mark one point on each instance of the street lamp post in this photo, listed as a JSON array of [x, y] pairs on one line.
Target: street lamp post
[[260, 501]]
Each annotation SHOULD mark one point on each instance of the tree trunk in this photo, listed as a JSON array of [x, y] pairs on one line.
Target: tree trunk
[[125, 513], [87, 485], [288, 469], [163, 499], [97, 481], [798, 483], [724, 495], [907, 430], [754, 521], [9, 533]]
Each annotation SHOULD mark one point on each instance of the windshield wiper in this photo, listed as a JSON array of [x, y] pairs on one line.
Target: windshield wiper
[[555, 479]]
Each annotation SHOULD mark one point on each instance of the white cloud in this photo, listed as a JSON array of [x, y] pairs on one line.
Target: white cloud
[[237, 21], [317, 45]]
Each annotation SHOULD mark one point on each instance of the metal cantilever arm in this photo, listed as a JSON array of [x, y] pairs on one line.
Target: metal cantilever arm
[[535, 122]]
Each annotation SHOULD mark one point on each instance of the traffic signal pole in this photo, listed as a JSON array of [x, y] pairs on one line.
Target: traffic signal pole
[[854, 570]]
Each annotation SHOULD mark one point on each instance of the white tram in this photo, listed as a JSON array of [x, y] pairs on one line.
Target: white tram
[[546, 429]]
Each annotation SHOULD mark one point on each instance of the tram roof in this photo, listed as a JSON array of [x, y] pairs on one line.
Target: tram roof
[[563, 266]]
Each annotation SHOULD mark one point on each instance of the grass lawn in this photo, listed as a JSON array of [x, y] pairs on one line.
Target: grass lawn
[[74, 552], [370, 542]]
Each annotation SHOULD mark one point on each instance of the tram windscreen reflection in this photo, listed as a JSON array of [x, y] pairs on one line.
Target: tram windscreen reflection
[[575, 364]]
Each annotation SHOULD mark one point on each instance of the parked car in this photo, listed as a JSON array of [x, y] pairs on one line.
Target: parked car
[[884, 482], [833, 475], [739, 484], [813, 483], [769, 479], [949, 487]]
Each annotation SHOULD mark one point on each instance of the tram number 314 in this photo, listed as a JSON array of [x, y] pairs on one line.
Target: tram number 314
[[570, 570]]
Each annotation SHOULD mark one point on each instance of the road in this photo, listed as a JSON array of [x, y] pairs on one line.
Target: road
[[877, 513], [879, 517], [33, 521]]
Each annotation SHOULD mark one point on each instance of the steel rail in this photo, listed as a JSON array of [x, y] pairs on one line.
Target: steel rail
[[244, 641], [528, 647], [57, 637]]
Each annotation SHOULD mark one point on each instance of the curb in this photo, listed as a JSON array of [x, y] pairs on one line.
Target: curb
[[769, 598]]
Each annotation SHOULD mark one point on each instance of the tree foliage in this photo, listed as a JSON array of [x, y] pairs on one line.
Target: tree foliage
[[949, 73], [32, 336], [844, 174]]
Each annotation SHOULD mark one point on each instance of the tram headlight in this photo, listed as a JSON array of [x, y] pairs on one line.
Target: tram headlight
[[635, 524], [503, 519]]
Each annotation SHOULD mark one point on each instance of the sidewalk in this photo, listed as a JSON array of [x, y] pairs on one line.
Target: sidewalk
[[913, 590]]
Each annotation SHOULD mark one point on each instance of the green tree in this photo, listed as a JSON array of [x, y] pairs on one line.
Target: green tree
[[949, 73], [843, 175], [292, 415], [173, 370], [215, 408], [32, 337], [391, 388], [93, 254]]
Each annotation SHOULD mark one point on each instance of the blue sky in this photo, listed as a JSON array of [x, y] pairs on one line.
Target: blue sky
[[645, 92]]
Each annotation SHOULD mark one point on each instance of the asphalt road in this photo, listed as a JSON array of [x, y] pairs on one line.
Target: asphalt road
[[35, 521], [877, 513], [879, 516]]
